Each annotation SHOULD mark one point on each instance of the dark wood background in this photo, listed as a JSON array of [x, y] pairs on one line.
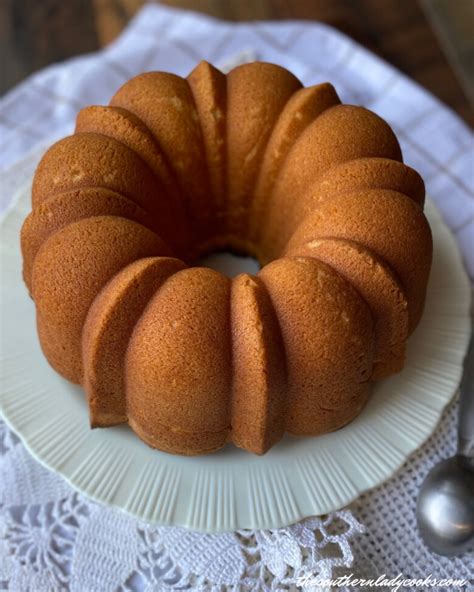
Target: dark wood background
[[35, 33]]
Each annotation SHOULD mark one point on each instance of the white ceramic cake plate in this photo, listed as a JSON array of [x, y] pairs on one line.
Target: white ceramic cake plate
[[232, 489]]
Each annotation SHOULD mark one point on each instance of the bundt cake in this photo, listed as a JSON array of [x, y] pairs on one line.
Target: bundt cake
[[254, 163]]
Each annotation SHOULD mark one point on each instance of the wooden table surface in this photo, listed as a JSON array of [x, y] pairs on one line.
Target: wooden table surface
[[35, 33]]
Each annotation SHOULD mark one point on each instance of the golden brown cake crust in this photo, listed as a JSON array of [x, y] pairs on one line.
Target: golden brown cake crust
[[79, 161], [178, 441], [304, 106], [256, 95], [378, 286], [249, 162], [164, 102], [178, 364], [96, 160], [368, 173], [209, 89], [107, 331], [127, 128], [70, 269], [354, 175], [62, 209], [329, 358], [318, 149], [374, 218], [258, 367]]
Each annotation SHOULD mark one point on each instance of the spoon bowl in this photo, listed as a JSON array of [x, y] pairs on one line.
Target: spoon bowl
[[445, 508]]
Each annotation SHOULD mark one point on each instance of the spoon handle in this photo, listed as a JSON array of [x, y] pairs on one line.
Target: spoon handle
[[466, 406]]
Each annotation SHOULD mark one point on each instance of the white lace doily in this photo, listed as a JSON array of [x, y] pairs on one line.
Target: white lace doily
[[53, 539]]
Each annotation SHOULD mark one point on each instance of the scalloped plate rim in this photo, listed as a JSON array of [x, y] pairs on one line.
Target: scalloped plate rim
[[437, 406]]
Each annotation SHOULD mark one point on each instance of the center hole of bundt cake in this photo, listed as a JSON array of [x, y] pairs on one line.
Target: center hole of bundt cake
[[230, 264]]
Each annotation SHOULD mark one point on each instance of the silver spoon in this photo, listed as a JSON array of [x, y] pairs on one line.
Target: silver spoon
[[445, 507]]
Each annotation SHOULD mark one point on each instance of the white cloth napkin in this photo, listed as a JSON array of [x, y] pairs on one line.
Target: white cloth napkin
[[54, 539]]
